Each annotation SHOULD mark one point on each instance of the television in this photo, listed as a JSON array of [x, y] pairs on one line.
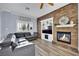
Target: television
[[47, 31]]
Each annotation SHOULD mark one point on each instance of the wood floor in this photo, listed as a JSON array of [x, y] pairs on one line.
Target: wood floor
[[44, 48]]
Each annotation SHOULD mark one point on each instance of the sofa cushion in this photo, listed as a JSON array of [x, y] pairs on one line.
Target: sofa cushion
[[19, 35], [27, 34], [8, 38]]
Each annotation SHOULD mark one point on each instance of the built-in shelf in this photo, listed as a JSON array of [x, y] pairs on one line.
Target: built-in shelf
[[67, 25]]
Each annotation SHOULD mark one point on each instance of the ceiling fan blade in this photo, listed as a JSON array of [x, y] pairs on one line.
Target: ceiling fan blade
[[51, 4], [41, 6]]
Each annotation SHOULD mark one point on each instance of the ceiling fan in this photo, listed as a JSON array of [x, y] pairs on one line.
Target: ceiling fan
[[41, 6]]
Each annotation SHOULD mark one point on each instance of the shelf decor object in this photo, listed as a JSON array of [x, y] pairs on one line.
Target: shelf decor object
[[63, 20]]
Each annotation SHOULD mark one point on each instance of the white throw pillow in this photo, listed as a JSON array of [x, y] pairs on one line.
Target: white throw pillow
[[13, 39], [0, 48], [22, 39], [2, 39]]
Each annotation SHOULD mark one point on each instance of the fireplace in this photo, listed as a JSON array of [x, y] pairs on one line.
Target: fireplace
[[64, 37]]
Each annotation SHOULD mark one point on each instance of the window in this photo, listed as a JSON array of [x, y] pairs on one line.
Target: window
[[24, 26]]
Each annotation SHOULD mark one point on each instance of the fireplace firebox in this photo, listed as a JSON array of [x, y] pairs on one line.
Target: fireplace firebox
[[64, 37]]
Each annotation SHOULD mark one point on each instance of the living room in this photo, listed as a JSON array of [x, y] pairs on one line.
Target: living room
[[44, 28]]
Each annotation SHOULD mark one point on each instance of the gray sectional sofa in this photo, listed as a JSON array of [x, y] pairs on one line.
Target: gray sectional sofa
[[7, 50], [27, 35]]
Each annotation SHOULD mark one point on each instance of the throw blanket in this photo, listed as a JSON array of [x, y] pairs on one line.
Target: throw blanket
[[13, 45]]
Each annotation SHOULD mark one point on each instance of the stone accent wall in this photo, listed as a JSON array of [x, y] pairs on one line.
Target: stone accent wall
[[70, 10]]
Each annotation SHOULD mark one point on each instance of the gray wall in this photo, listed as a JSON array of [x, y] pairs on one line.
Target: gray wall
[[8, 23], [0, 26], [35, 25], [78, 27]]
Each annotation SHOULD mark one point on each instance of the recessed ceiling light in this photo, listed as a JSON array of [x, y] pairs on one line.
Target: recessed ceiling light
[[27, 8]]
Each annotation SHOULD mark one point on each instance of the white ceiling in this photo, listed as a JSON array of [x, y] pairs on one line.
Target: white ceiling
[[35, 11]]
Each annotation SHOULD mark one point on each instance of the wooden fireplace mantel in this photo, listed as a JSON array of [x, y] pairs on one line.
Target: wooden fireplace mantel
[[68, 25]]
